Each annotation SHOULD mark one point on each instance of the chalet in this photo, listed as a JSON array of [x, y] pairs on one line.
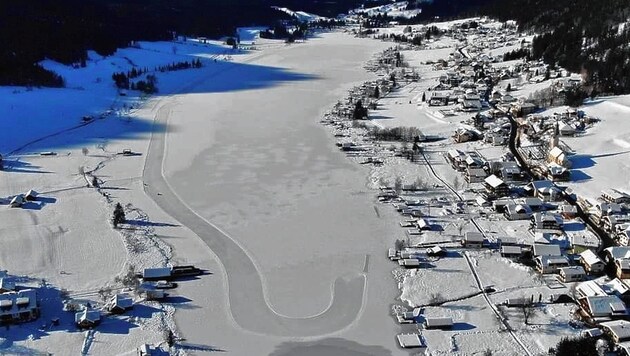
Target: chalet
[[544, 189], [558, 156], [496, 187], [602, 307], [589, 289], [475, 175], [606, 209], [438, 323], [87, 318], [472, 239], [619, 288], [615, 196], [439, 98], [617, 330], [568, 211], [464, 135], [622, 268], [546, 221], [546, 250], [591, 262], [551, 264], [499, 205], [616, 252], [120, 303], [18, 306], [510, 171], [511, 251], [473, 162], [572, 274], [536, 204], [470, 105], [557, 173], [456, 159], [518, 212]]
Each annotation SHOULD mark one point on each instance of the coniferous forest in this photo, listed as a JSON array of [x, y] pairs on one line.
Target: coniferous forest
[[584, 36]]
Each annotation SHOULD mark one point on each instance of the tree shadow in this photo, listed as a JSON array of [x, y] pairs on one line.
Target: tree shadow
[[149, 223], [198, 347], [221, 77], [18, 166]]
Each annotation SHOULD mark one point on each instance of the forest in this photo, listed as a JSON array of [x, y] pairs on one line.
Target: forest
[[63, 30]]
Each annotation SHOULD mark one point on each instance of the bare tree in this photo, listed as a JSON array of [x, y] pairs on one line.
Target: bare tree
[[529, 310]]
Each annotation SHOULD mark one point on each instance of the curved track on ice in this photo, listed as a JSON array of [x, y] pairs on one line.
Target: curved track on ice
[[248, 304]]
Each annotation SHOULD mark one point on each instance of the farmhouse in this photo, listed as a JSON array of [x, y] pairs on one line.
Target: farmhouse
[[87, 318]]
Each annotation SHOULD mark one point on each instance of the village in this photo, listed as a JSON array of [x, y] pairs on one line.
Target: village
[[476, 157]]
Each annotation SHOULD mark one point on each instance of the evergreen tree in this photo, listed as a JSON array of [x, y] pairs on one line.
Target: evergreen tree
[[119, 215]]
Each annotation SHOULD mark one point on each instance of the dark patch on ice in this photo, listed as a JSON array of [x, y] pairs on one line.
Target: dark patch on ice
[[331, 346]]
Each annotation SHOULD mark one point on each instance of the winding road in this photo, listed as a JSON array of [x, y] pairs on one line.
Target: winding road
[[248, 304]]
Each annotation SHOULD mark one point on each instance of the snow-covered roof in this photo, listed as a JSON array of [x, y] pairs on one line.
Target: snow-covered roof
[[590, 258], [619, 328], [605, 306], [590, 289], [572, 271], [546, 250], [494, 181], [472, 236]]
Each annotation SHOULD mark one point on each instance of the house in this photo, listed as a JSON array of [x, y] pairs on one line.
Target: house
[[607, 209], [607, 306], [558, 156], [591, 262], [408, 341], [510, 171], [546, 221], [120, 303], [438, 323], [496, 187], [518, 212], [568, 211], [535, 204], [615, 196], [18, 306], [511, 251], [408, 317], [439, 98], [508, 241], [87, 318], [543, 189], [149, 350], [616, 252], [617, 330], [551, 264], [423, 224], [17, 201], [589, 289], [546, 250], [572, 274], [464, 135], [557, 173], [622, 268], [567, 130], [472, 239], [475, 175], [455, 158]]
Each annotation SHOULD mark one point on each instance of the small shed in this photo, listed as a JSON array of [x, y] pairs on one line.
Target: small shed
[[438, 323], [409, 262], [31, 195], [436, 251], [17, 201]]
